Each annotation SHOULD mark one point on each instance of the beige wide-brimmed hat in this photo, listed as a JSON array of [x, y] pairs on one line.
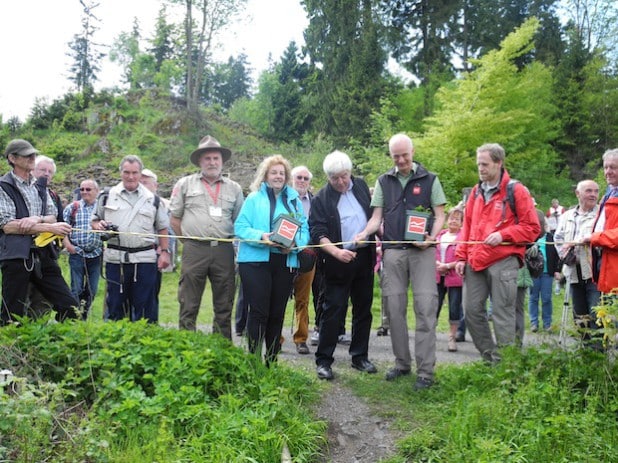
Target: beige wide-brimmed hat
[[209, 143]]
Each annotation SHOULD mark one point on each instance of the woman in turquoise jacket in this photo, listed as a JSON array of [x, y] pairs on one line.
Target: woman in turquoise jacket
[[266, 268]]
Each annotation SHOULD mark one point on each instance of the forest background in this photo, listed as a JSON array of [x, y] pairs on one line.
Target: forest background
[[538, 77]]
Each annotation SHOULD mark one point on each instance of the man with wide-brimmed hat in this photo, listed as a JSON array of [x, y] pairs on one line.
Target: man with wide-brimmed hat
[[204, 207], [26, 209]]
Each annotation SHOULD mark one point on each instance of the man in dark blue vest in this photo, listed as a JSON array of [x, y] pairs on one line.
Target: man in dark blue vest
[[26, 209], [407, 260]]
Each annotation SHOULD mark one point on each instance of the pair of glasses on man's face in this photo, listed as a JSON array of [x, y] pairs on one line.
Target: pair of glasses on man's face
[[300, 177], [85, 189]]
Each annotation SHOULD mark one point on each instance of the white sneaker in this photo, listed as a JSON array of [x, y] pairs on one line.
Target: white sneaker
[[315, 338]]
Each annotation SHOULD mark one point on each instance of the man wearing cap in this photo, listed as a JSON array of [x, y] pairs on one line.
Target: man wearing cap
[[26, 209], [132, 256], [204, 207]]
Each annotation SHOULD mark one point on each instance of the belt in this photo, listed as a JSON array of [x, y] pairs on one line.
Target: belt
[[212, 243], [131, 250], [403, 246]]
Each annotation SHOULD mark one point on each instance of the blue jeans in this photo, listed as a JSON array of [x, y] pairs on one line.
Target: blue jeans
[[541, 287], [131, 291], [85, 273]]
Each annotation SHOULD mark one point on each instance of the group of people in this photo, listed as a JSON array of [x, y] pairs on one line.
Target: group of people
[[475, 258]]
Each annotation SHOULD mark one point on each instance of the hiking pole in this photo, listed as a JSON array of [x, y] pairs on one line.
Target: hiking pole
[[565, 313]]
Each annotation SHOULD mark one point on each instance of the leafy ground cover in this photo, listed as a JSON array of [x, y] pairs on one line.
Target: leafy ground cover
[[132, 392]]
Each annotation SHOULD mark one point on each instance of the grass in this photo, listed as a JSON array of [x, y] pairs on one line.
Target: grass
[[129, 392], [540, 404]]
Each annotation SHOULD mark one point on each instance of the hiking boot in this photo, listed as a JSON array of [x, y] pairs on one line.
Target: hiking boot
[[394, 373]]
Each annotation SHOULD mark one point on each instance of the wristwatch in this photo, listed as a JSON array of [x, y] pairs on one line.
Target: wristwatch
[[168, 250]]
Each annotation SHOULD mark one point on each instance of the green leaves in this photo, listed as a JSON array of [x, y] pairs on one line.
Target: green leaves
[[213, 401]]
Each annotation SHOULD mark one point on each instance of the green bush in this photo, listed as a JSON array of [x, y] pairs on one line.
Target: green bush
[[145, 393]]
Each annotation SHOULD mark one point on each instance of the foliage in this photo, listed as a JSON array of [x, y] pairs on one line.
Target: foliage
[[495, 102], [540, 404], [161, 395], [203, 20], [343, 39], [227, 82], [85, 51], [607, 319]]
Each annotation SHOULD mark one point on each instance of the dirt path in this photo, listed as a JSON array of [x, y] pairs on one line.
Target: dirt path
[[356, 433]]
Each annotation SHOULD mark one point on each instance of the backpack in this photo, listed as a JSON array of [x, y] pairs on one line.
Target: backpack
[[74, 208]]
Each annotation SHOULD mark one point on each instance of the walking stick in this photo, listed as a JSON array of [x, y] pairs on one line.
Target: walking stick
[[565, 313]]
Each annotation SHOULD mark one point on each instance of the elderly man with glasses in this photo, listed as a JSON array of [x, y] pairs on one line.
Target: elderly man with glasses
[[303, 282], [84, 247]]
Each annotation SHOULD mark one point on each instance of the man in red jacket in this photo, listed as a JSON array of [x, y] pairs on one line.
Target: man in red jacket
[[492, 250], [604, 238]]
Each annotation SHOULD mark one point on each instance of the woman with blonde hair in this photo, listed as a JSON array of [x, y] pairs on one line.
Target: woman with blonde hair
[[267, 268]]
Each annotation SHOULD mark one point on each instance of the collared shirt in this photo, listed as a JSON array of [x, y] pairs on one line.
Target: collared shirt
[[86, 243], [489, 190], [438, 197], [306, 202], [30, 193], [573, 226], [138, 220], [206, 209], [352, 216]]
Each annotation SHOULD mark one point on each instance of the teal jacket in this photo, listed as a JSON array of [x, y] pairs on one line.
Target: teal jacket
[[254, 220]]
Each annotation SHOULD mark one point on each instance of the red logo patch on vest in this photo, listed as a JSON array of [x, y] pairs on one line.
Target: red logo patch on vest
[[416, 190]]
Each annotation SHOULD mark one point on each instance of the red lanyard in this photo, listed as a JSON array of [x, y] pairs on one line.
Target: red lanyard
[[216, 195]]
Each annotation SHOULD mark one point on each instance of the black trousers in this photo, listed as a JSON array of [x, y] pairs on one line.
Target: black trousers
[[266, 287], [357, 286], [42, 271]]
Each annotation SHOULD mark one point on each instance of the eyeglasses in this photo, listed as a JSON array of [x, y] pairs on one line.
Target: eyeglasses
[[300, 177], [85, 189]]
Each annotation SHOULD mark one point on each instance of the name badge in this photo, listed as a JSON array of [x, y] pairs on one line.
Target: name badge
[[215, 211]]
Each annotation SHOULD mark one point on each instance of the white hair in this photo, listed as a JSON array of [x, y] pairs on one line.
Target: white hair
[[42, 158], [336, 162], [298, 169]]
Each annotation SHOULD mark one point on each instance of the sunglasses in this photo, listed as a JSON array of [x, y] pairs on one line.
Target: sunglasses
[[85, 189], [300, 177]]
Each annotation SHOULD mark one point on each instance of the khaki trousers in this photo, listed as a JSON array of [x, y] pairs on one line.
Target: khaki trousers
[[415, 267], [302, 290], [500, 282], [201, 261]]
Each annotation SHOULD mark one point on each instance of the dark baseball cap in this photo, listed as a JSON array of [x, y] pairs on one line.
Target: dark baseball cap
[[19, 147]]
